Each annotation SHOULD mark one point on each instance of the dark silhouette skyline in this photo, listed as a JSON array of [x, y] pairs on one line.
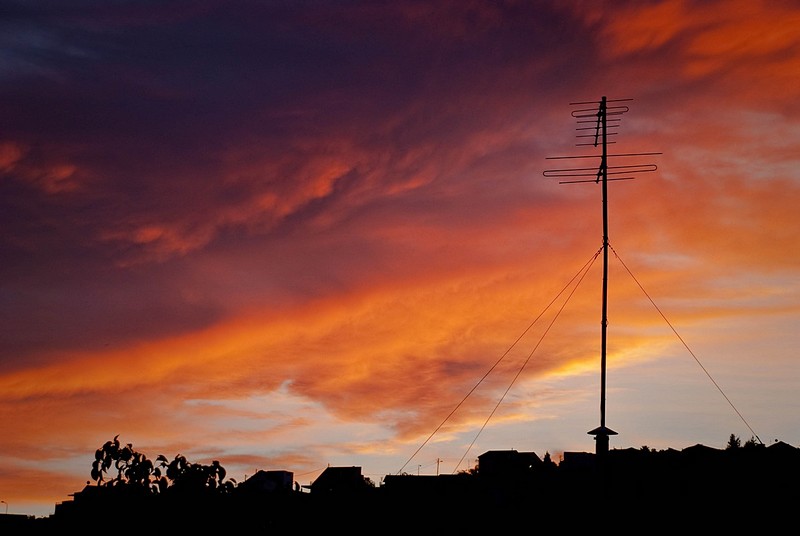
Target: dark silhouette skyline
[[742, 486]]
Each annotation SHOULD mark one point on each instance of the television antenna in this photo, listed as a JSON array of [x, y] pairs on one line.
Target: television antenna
[[597, 122]]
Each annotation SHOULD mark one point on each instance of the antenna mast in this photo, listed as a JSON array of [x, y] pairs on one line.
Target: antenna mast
[[598, 117]]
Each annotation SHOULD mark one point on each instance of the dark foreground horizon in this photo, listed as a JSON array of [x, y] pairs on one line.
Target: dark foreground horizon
[[628, 491]]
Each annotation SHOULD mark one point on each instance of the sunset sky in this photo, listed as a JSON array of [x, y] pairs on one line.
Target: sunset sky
[[291, 234]]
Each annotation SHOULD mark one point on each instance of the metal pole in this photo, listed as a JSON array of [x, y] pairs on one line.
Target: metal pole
[[604, 321], [601, 433]]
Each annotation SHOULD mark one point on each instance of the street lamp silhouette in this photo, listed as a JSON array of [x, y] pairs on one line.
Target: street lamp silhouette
[[4, 502]]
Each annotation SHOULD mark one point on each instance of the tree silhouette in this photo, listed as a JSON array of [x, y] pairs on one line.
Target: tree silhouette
[[196, 477], [733, 442], [133, 468], [752, 443]]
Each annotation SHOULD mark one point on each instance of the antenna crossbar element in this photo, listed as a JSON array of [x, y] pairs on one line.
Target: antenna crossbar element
[[594, 126], [595, 180], [587, 112], [595, 156], [593, 136], [599, 102], [591, 172]]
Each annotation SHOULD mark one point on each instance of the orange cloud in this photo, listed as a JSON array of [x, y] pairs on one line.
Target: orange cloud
[[51, 177], [737, 43]]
